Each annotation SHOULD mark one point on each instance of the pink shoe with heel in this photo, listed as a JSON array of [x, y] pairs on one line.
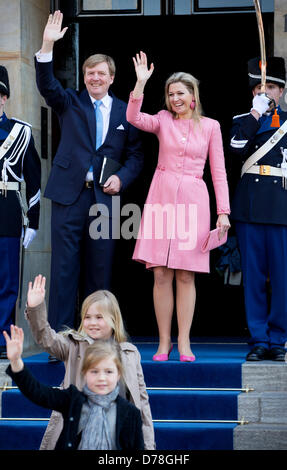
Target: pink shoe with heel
[[162, 357], [184, 358]]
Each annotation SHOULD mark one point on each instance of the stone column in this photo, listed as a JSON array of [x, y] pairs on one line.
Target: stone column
[[280, 38], [21, 28]]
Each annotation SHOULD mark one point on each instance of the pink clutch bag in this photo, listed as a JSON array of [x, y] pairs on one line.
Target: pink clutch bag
[[212, 240]]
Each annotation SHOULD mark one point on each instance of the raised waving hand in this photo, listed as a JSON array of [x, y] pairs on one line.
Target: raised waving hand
[[53, 31], [14, 344], [143, 73], [36, 291]]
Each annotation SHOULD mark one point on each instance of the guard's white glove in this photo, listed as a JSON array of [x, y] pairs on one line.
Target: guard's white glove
[[30, 234], [260, 103]]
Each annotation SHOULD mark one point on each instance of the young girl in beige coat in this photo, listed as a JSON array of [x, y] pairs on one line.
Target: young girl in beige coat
[[101, 319]]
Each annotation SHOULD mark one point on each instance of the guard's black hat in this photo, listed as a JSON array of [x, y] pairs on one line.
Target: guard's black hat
[[4, 81], [275, 71]]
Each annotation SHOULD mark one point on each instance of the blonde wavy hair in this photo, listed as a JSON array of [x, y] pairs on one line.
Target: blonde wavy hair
[[192, 85], [108, 306]]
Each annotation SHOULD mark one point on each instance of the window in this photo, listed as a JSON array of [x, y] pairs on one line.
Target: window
[[108, 7], [229, 6]]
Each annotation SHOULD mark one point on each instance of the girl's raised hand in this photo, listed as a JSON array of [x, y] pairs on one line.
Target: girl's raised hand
[[15, 343], [36, 291], [141, 67]]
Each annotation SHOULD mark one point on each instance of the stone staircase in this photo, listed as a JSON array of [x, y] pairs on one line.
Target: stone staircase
[[265, 407]]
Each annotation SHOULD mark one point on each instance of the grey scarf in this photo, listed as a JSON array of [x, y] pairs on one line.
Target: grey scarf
[[93, 421]]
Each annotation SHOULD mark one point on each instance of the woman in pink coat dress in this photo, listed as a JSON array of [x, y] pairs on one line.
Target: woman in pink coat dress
[[176, 216]]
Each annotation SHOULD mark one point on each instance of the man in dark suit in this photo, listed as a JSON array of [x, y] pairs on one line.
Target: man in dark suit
[[259, 137], [87, 136], [19, 162]]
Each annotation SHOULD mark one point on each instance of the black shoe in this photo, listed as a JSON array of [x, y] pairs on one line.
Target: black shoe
[[277, 354], [258, 353]]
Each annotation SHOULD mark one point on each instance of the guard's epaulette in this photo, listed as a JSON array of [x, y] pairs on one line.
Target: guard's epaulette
[[240, 115], [22, 122]]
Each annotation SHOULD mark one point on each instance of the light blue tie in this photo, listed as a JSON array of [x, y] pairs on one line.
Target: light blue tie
[[99, 130], [99, 119]]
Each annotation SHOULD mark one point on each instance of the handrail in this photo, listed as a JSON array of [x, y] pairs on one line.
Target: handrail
[[225, 421], [246, 389], [177, 389]]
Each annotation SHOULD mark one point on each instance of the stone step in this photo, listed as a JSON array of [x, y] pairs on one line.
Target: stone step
[[263, 407], [265, 376], [4, 378], [256, 436]]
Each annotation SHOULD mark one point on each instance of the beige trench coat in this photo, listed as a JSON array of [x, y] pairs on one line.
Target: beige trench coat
[[70, 349]]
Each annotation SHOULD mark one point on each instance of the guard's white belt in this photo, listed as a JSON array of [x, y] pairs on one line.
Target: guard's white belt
[[10, 185], [265, 170]]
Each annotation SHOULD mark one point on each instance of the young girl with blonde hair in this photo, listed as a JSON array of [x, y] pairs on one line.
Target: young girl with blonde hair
[[101, 320]]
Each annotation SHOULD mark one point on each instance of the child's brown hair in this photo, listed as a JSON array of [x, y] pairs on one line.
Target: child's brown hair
[[100, 350]]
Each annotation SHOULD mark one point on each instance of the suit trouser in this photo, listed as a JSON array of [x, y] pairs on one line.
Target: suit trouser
[[263, 252], [79, 263], [9, 282]]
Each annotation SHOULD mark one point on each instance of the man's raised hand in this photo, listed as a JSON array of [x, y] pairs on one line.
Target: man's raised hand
[[53, 30]]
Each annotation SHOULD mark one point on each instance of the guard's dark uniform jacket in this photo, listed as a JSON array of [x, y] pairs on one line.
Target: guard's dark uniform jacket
[[19, 161], [258, 198]]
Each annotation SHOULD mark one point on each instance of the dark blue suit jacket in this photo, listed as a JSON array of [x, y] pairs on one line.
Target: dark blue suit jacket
[[77, 148]]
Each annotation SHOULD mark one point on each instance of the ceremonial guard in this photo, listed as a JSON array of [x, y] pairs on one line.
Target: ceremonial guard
[[259, 137], [19, 161]]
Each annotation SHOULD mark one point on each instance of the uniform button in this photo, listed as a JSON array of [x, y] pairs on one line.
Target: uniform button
[[69, 444], [275, 181], [278, 165], [71, 418], [256, 180]]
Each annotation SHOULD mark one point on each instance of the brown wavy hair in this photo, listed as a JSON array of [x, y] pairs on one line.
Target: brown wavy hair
[[100, 350]]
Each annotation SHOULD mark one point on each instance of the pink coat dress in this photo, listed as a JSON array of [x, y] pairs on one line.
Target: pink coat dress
[[176, 215]]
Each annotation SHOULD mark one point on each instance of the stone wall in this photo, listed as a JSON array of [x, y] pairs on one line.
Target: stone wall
[[280, 37], [21, 27]]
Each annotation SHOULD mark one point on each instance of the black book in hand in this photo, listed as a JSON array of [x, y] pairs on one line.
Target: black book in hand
[[109, 167]]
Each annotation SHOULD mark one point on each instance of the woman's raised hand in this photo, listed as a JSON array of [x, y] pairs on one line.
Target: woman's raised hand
[[141, 67], [36, 291]]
